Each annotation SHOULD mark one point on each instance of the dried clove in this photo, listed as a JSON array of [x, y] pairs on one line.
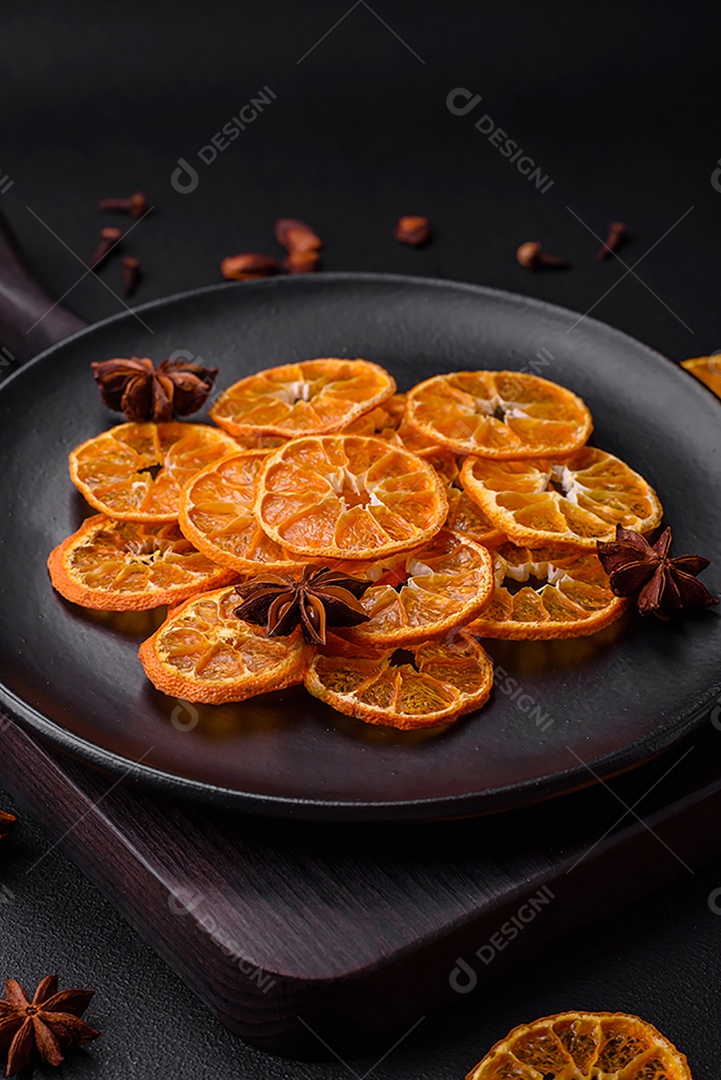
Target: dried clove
[[532, 256]]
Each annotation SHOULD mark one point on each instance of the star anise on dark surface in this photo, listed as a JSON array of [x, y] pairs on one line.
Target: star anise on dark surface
[[45, 1026], [143, 392], [6, 823], [318, 599], [661, 585]]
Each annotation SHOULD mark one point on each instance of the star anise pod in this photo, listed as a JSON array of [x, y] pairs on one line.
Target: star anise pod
[[662, 585], [46, 1025], [143, 392], [6, 823], [318, 599]]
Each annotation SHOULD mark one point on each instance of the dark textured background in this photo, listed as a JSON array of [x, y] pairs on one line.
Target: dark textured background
[[617, 103]]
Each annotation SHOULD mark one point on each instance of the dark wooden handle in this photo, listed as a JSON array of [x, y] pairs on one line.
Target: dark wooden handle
[[30, 318]]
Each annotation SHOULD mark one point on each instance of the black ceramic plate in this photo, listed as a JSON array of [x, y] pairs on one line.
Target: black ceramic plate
[[560, 709]]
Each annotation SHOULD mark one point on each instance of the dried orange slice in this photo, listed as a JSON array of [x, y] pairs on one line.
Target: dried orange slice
[[216, 514], [204, 652], [383, 421], [562, 594], [576, 501], [135, 472], [348, 497], [426, 593], [498, 414], [465, 517], [126, 566], [314, 396], [434, 685], [707, 369], [581, 1046]]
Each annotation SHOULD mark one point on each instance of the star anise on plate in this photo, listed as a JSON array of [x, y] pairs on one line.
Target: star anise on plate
[[318, 599], [662, 585], [6, 823], [145, 392], [47, 1025]]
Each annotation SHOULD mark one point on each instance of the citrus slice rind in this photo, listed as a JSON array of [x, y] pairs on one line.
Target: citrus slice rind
[[583, 1046], [424, 594], [348, 497], [126, 566], [576, 501], [464, 515], [309, 397], [441, 682], [498, 414], [203, 652], [136, 472], [562, 594], [216, 515], [707, 369]]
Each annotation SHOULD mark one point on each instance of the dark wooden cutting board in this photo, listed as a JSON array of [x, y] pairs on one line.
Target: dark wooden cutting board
[[349, 931]]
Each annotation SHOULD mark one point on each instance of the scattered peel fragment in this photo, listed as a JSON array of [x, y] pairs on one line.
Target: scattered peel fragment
[[6, 823]]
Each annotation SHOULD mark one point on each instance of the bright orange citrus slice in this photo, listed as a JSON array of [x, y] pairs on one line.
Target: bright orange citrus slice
[[498, 414], [204, 652], [584, 1046], [547, 593], [348, 497], [126, 566], [383, 421], [576, 501], [216, 514], [311, 397], [135, 472], [465, 517], [707, 369], [424, 594], [433, 686]]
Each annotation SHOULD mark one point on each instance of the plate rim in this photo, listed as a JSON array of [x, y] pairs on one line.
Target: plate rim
[[464, 804]]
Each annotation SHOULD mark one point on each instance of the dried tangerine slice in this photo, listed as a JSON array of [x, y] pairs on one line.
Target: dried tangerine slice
[[428, 592], [383, 421], [570, 1045], [547, 593], [313, 396], [576, 501], [498, 414], [135, 472], [216, 514], [348, 497], [707, 369], [467, 518], [204, 652], [127, 566], [439, 683]]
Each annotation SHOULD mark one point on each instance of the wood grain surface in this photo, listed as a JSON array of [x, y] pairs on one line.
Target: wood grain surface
[[284, 927]]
